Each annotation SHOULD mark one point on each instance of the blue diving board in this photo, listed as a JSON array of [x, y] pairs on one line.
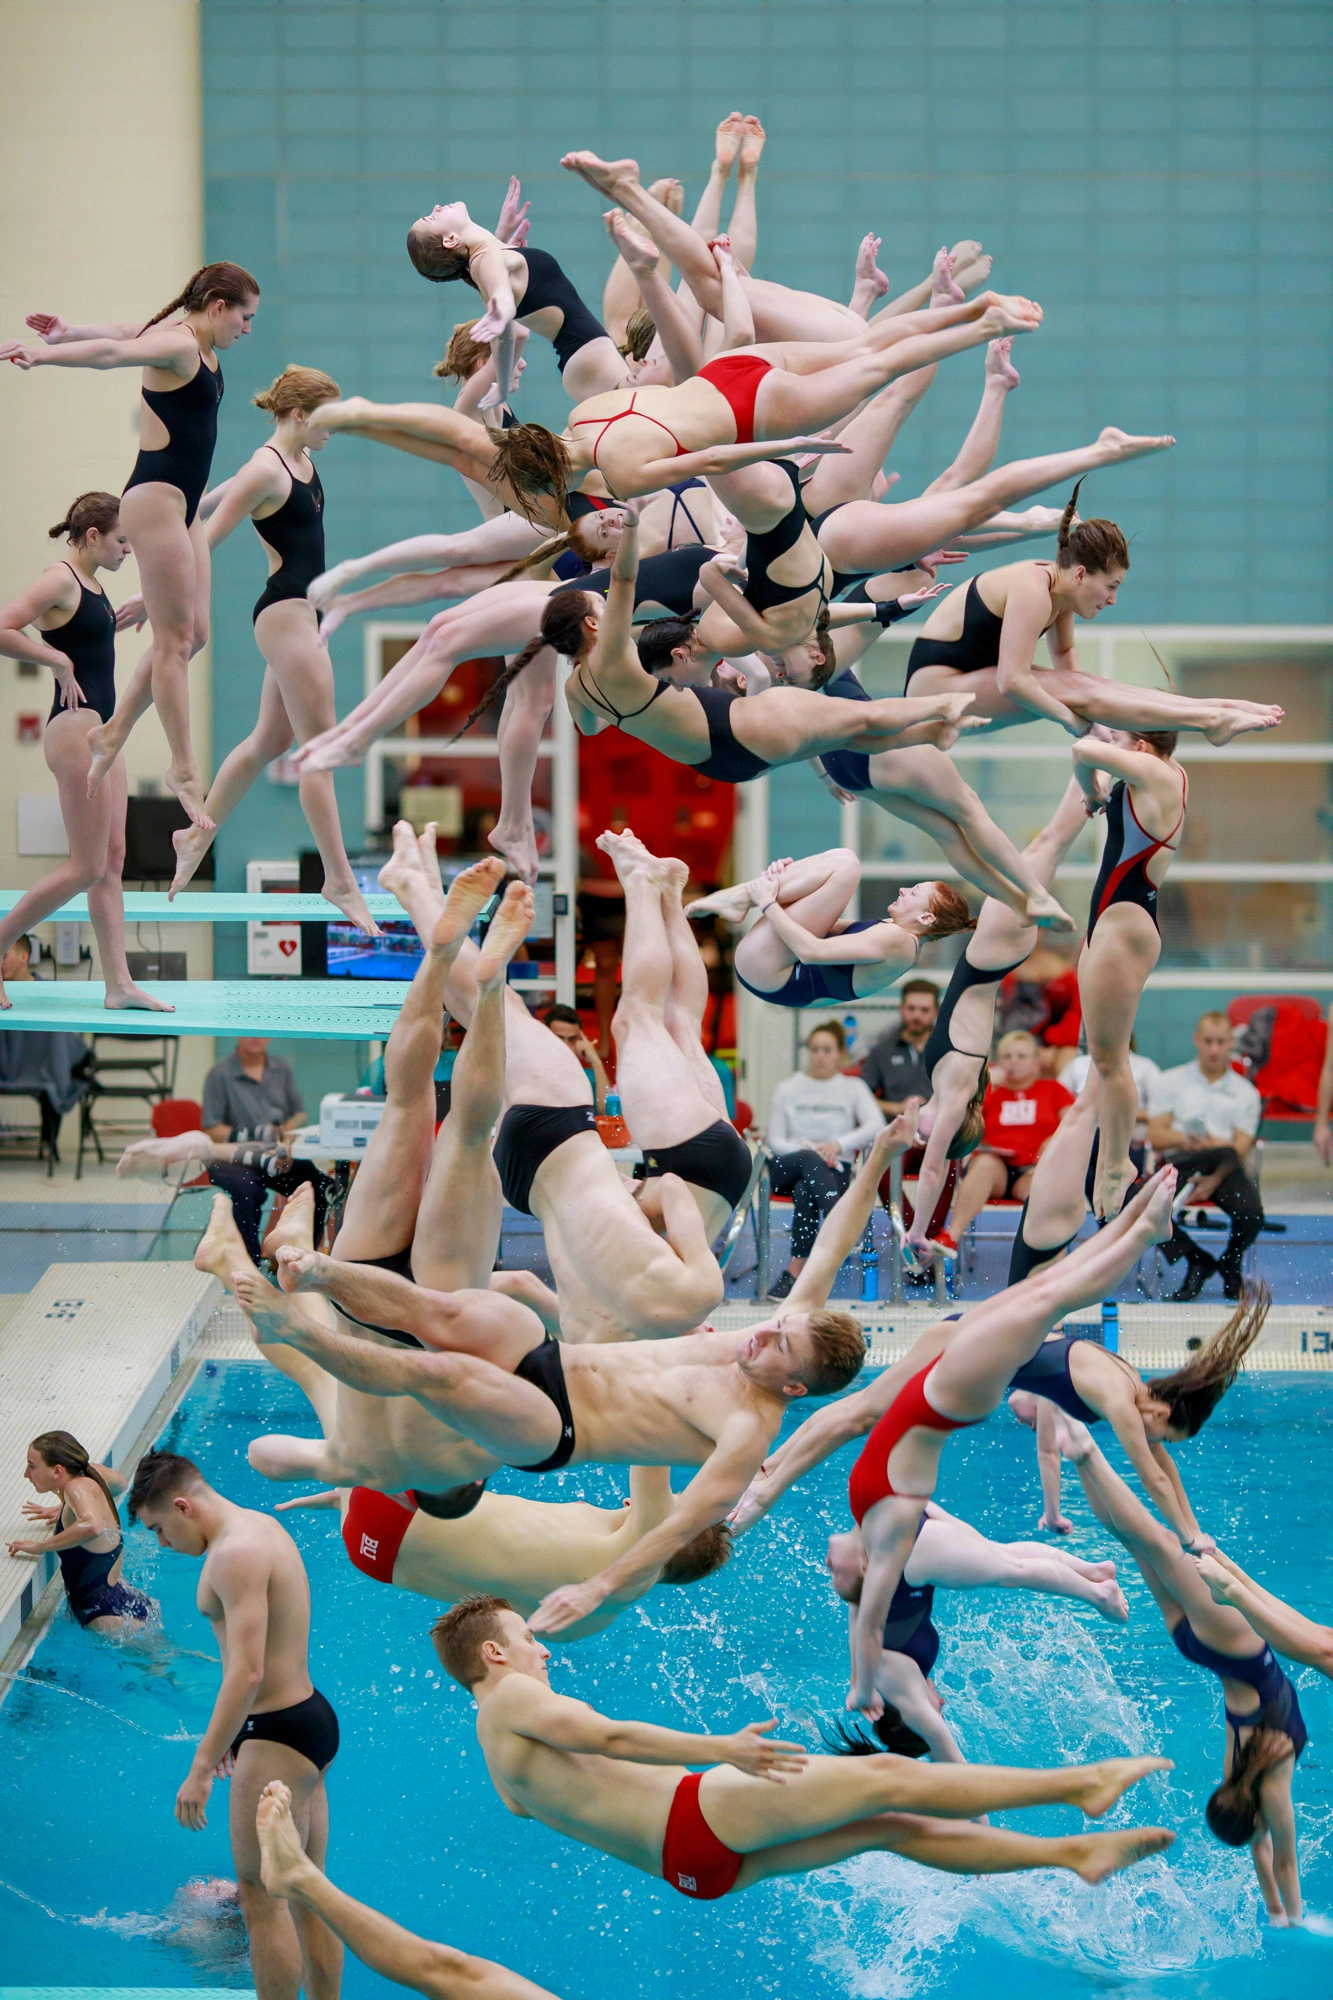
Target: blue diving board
[[322, 1010], [282, 907]]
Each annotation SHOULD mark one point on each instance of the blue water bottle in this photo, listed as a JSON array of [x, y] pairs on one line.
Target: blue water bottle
[[1111, 1325], [612, 1103]]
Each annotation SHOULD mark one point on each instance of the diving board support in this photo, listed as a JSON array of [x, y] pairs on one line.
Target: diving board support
[[93, 1350]]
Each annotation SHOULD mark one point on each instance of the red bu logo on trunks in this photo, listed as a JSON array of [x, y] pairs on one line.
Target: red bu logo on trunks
[[373, 1530]]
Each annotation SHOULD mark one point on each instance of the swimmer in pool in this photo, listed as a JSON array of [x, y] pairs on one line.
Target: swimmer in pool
[[528, 1547], [950, 1554], [762, 1807], [1265, 1732], [712, 1401], [269, 1720], [437, 1970], [85, 1524]]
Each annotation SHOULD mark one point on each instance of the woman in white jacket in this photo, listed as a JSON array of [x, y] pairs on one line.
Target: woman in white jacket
[[818, 1121]]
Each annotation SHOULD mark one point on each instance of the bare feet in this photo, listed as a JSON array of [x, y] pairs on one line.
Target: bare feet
[[146, 1158], [732, 905], [1223, 1586], [638, 250], [1073, 1440], [187, 785], [352, 903], [191, 844], [505, 933], [871, 283], [944, 291], [126, 994], [1120, 445], [414, 879], [971, 264], [609, 177], [1094, 1788], [337, 751], [220, 1249], [1009, 313], [1237, 721], [1109, 1600], [267, 1308], [325, 588], [283, 1862], [1094, 1856], [727, 144], [518, 846], [999, 368], [103, 751], [630, 857], [294, 1229], [1047, 914], [752, 145], [301, 1269], [669, 193], [469, 893]]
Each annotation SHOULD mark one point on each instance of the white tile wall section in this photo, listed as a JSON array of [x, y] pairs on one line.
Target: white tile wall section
[[92, 1350]]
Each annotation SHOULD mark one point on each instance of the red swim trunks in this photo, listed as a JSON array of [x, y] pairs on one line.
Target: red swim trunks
[[909, 1410], [737, 377], [373, 1530], [694, 1860]]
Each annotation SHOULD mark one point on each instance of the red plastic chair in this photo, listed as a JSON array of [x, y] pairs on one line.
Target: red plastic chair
[[175, 1115], [1241, 1010]]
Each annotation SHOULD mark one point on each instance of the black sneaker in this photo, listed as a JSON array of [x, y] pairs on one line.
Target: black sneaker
[[1201, 1269], [781, 1286]]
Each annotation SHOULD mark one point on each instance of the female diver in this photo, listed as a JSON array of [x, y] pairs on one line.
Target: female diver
[[86, 1537], [178, 427], [75, 628]]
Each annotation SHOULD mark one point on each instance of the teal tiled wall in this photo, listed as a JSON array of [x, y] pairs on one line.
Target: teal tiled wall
[[1156, 175]]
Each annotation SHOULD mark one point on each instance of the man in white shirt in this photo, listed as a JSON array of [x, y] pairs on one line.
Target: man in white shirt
[[818, 1121], [1203, 1118]]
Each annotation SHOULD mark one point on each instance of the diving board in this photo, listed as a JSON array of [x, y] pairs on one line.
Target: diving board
[[323, 1010], [281, 907]]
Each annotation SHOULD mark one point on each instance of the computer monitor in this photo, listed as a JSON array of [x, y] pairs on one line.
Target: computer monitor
[[350, 954]]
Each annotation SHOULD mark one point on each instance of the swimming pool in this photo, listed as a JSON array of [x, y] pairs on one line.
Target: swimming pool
[[93, 1744]]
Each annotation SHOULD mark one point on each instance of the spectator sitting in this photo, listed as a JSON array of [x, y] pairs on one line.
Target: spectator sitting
[[17, 961], [564, 1022], [894, 1070], [1041, 995], [817, 1123], [252, 1107], [1021, 1114], [1202, 1119]]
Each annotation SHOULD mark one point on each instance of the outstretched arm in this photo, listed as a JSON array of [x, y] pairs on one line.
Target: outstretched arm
[[172, 348], [708, 1499], [1153, 1464], [542, 1716]]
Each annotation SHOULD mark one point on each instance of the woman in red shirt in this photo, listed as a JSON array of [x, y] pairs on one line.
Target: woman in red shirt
[[1021, 1114]]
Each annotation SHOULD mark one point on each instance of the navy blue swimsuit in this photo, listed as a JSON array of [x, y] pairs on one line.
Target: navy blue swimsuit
[[1047, 1374], [1278, 1707], [90, 1596], [811, 985]]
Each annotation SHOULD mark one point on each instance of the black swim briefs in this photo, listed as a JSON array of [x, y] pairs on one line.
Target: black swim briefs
[[309, 1727], [544, 1367], [529, 1134], [716, 1158]]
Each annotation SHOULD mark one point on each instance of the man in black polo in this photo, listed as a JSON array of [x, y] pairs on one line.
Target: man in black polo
[[893, 1069]]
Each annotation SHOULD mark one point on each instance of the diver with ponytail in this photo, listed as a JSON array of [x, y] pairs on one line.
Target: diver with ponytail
[[72, 629], [1265, 1731], [983, 637], [178, 422], [86, 1537]]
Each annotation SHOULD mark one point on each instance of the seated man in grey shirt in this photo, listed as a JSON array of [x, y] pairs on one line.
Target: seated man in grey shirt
[[252, 1096], [894, 1070]]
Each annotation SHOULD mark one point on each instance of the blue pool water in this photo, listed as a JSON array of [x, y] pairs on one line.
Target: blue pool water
[[94, 1871]]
